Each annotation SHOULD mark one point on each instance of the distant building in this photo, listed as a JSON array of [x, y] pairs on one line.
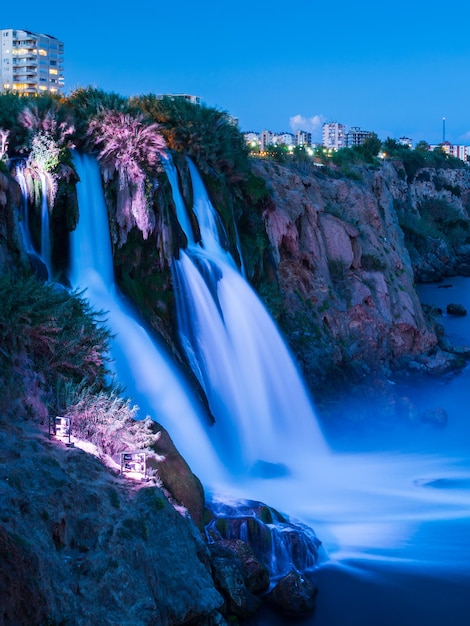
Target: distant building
[[180, 96], [30, 63], [333, 135], [303, 138], [356, 137], [406, 141], [284, 139], [459, 152], [252, 140], [266, 139]]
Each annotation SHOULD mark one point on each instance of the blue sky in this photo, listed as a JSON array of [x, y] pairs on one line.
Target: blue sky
[[393, 68]]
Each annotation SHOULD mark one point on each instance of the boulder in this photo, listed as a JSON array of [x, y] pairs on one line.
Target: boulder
[[255, 573], [435, 417], [227, 574], [294, 595], [456, 309]]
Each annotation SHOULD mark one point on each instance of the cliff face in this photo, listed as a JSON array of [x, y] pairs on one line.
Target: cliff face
[[346, 277]]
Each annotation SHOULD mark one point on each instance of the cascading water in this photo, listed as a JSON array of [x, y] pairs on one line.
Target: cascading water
[[264, 418], [44, 257], [20, 178], [45, 227], [150, 378]]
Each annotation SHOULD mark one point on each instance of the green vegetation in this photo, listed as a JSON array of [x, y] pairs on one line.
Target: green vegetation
[[205, 134], [355, 155], [419, 158], [50, 333]]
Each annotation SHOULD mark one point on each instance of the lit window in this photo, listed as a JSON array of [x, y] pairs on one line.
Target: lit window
[[51, 71], [42, 53], [42, 87]]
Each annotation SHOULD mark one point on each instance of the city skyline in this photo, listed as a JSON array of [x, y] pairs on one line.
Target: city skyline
[[396, 72]]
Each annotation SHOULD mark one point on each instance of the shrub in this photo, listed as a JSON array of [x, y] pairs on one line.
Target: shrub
[[44, 329]]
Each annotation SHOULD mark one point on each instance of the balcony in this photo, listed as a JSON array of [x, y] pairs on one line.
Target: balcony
[[24, 44], [24, 79]]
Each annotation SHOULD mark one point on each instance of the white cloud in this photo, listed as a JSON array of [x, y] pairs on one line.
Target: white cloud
[[309, 124]]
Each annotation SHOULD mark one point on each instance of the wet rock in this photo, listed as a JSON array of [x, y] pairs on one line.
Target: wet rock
[[294, 595], [264, 469], [456, 309], [229, 581], [255, 573], [435, 417]]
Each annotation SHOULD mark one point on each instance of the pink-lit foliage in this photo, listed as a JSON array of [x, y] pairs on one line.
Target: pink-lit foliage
[[48, 138], [3, 143], [131, 147]]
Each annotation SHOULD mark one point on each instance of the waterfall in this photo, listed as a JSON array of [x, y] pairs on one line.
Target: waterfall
[[24, 223], [181, 213], [150, 378], [45, 227], [42, 261], [265, 422]]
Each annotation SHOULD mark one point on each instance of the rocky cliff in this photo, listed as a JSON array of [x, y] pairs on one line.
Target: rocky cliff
[[346, 264]]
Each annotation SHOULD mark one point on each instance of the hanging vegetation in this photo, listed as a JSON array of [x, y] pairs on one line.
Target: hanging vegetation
[[130, 147]]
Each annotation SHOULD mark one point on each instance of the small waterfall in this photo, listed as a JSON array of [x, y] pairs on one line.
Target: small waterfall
[[265, 421], [150, 378], [45, 227], [24, 223], [41, 262], [181, 212], [280, 544]]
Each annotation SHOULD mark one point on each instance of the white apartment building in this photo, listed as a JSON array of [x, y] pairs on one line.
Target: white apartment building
[[266, 139], [356, 136], [284, 139], [406, 141], [30, 63], [303, 138], [333, 135], [459, 152], [180, 96]]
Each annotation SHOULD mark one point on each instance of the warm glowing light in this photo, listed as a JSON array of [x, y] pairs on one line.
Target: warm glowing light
[[52, 71], [42, 53]]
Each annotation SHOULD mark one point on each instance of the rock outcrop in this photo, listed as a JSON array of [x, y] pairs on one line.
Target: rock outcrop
[[80, 545], [347, 282]]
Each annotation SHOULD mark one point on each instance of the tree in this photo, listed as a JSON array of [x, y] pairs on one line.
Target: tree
[[372, 145], [422, 146]]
